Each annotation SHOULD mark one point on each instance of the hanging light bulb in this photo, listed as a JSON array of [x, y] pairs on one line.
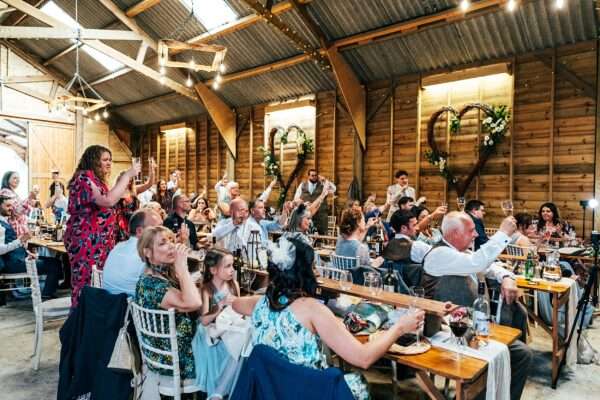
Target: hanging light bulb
[[512, 5], [97, 117], [192, 64], [105, 114], [560, 4], [464, 5], [218, 78], [189, 82], [162, 70], [222, 68], [215, 85]]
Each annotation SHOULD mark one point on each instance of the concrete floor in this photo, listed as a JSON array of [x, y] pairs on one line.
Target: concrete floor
[[19, 382]]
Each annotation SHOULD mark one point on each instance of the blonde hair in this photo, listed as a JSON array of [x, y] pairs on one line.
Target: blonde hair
[[148, 237]]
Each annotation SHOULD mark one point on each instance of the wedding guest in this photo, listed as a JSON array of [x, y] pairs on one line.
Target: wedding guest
[[258, 215], [21, 207], [428, 234], [124, 266], [163, 196], [406, 203], [13, 253], [398, 190], [350, 243], [227, 191], [310, 191], [34, 197], [550, 225], [165, 284], [292, 321], [525, 230], [452, 273], [90, 233], [404, 224], [56, 181], [234, 232], [155, 206], [130, 203], [174, 180], [202, 214], [58, 203], [476, 210], [215, 368], [179, 223]]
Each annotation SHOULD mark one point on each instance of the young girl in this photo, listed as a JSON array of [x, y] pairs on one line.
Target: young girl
[[215, 368]]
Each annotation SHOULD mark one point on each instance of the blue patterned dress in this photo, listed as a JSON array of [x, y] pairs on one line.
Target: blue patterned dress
[[283, 332], [149, 293]]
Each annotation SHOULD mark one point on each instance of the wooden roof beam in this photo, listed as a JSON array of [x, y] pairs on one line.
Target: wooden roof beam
[[130, 23], [17, 17], [562, 70], [223, 117], [140, 7], [144, 102]]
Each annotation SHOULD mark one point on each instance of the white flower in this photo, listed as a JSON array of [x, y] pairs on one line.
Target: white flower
[[300, 140], [491, 143], [486, 138], [488, 120], [436, 162]]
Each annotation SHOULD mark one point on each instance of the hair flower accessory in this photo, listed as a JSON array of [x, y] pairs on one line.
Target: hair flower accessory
[[282, 254]]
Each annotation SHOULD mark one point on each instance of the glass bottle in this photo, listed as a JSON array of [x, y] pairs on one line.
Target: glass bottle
[[481, 315]]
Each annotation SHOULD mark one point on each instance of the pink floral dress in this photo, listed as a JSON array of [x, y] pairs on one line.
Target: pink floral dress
[[90, 233]]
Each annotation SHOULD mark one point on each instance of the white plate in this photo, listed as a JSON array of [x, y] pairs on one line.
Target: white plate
[[569, 250]]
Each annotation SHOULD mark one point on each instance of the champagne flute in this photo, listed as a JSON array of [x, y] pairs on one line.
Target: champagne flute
[[418, 293], [460, 202], [345, 280], [507, 207], [135, 161]]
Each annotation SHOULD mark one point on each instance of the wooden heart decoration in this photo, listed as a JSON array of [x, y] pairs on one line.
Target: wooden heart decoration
[[272, 168], [496, 123]]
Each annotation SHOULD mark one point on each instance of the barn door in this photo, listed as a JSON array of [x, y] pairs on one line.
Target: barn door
[[50, 146]]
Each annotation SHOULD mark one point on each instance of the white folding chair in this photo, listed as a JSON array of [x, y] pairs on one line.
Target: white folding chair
[[343, 262], [49, 309], [97, 276], [516, 251], [160, 324]]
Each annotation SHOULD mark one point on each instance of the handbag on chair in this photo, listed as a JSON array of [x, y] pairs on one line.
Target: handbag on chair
[[125, 356]]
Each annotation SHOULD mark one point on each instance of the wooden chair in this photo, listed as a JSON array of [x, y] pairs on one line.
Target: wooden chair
[[160, 324], [43, 310]]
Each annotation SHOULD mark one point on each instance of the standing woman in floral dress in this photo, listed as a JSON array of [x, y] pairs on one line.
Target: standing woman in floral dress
[[90, 233]]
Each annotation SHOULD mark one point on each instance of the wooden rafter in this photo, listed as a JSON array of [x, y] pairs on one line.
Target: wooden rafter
[[17, 17], [310, 22], [129, 22], [144, 102], [140, 7], [298, 40], [34, 32], [221, 114]]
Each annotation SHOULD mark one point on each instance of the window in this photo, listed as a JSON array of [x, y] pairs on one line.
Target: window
[[55, 11], [211, 13]]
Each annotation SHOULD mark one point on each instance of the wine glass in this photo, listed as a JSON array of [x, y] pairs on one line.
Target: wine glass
[[417, 292], [345, 280], [135, 161], [460, 202], [248, 277], [507, 207], [373, 282], [459, 324]]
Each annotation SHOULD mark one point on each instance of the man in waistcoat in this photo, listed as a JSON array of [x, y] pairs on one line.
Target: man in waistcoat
[[14, 254], [404, 247], [452, 273], [309, 191]]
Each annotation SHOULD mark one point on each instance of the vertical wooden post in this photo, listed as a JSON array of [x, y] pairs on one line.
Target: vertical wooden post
[[511, 167], [251, 172], [167, 155], [448, 102], [391, 138], [207, 172], [418, 144], [334, 139], [196, 156], [316, 139], [596, 220], [551, 133], [219, 174], [478, 139]]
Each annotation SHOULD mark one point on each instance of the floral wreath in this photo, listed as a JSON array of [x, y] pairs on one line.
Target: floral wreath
[[495, 126], [304, 147]]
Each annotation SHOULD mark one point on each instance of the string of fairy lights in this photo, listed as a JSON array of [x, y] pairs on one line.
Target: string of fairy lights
[[511, 5]]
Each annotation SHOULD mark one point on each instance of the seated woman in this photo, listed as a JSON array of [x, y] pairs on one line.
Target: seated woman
[[215, 368], [550, 225], [428, 234], [352, 234], [201, 214], [166, 283], [290, 320], [525, 230]]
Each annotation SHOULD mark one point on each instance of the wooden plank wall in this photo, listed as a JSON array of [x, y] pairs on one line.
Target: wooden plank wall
[[550, 128]]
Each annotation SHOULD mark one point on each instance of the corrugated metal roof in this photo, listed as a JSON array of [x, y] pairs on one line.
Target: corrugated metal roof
[[277, 85], [165, 110], [534, 26]]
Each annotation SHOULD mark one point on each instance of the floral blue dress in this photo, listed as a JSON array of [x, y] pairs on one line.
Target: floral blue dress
[[283, 332], [149, 293]]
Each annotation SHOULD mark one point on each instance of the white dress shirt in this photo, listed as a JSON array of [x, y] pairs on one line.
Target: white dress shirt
[[312, 186], [394, 193], [123, 268], [449, 261], [232, 236], [418, 249]]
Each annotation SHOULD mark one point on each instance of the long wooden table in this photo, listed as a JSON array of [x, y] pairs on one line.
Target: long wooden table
[[59, 247], [560, 296]]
